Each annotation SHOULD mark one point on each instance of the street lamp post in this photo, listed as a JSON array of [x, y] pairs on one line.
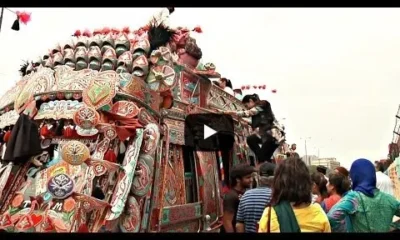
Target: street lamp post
[[305, 146], [1, 17]]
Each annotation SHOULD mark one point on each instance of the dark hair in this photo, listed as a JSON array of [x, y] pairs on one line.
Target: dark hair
[[340, 182], [254, 97], [343, 171], [266, 169], [319, 179], [380, 166], [228, 82], [215, 83], [171, 9], [321, 169], [292, 182], [240, 171], [261, 103], [238, 90]]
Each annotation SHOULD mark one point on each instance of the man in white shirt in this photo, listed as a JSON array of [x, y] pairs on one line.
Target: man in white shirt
[[383, 181]]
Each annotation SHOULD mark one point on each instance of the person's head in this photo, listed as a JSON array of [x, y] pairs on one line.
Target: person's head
[[171, 9], [379, 166], [343, 171], [238, 91], [321, 169], [294, 147], [338, 184], [241, 176], [319, 184], [292, 182], [266, 174], [250, 101], [217, 83], [224, 82], [363, 176]]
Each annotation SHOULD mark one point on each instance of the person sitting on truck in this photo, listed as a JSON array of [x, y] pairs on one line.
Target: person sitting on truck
[[267, 130], [241, 178], [226, 85]]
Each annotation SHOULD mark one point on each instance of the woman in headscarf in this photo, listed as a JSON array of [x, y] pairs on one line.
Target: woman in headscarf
[[291, 209], [369, 209]]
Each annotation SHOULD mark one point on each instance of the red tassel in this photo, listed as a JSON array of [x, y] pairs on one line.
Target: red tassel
[[259, 87], [264, 87], [248, 87], [44, 131], [87, 33], [198, 29], [7, 136], [83, 228], [115, 30], [106, 30], [255, 87], [24, 17], [77, 33], [110, 156], [243, 87], [145, 28], [96, 32], [126, 30], [273, 91]]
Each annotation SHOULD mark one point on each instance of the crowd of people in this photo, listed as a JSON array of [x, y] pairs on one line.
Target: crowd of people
[[291, 199]]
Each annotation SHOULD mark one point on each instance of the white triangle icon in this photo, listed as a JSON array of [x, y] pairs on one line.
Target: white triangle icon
[[208, 131]]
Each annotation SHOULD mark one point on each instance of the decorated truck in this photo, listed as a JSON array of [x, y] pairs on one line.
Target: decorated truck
[[92, 137]]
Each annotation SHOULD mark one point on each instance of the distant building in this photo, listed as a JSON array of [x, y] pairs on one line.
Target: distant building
[[308, 159], [330, 163]]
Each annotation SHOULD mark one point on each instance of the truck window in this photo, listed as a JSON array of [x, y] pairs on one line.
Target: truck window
[[190, 175]]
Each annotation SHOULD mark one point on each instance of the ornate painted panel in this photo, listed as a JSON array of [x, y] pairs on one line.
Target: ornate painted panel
[[186, 227], [174, 192], [206, 168], [176, 131], [182, 213]]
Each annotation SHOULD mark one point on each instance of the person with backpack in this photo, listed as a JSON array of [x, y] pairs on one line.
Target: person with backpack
[[291, 209]]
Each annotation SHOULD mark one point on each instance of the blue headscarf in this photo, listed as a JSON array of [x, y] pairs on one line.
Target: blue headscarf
[[363, 176]]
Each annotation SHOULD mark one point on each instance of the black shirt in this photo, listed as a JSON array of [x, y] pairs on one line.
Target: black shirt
[[231, 204]]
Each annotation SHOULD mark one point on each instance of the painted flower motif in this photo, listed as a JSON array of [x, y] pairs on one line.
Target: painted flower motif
[[69, 204], [17, 201]]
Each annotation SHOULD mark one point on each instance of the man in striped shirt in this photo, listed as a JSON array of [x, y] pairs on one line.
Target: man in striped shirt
[[254, 201]]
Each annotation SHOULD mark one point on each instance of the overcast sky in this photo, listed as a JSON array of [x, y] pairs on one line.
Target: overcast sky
[[336, 70]]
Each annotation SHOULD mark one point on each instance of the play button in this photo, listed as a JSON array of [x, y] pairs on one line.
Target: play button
[[208, 132]]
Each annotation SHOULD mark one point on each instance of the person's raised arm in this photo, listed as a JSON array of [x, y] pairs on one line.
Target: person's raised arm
[[245, 113]]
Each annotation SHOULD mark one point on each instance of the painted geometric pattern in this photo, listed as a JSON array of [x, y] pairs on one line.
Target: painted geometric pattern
[[181, 213]]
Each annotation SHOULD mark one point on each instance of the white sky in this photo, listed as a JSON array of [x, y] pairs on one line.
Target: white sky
[[336, 70]]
